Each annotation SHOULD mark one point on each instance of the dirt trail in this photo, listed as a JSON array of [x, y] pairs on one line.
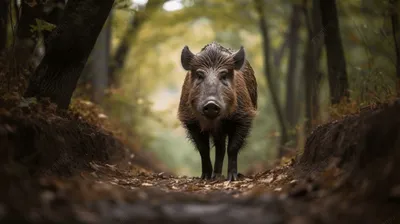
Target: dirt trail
[[71, 171], [108, 195]]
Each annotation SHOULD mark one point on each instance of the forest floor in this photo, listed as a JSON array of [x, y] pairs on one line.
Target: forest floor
[[75, 167]]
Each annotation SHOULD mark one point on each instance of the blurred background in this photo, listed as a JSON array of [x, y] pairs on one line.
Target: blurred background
[[134, 71]]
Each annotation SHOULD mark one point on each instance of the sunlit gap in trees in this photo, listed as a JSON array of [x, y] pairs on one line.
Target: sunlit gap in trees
[[170, 6]]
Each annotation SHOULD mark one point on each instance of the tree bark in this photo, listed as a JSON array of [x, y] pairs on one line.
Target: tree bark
[[266, 49], [55, 10], [124, 47], [69, 46], [4, 8], [394, 17], [338, 83], [312, 56], [291, 78]]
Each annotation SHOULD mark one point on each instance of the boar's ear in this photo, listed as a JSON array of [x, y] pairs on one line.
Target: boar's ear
[[239, 58], [186, 57]]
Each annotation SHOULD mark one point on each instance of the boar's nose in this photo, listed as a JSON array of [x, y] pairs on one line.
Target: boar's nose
[[211, 110]]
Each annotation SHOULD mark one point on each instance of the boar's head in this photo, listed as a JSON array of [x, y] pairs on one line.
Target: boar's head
[[212, 74]]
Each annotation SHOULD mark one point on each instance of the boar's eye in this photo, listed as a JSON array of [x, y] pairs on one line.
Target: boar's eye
[[199, 74], [224, 76]]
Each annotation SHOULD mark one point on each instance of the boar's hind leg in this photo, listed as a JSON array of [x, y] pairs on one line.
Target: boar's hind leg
[[202, 143], [237, 136], [219, 142]]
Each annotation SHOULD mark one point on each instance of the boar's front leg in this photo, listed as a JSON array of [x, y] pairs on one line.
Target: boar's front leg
[[202, 143], [220, 148], [237, 137]]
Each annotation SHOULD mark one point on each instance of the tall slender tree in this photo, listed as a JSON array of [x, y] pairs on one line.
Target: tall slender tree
[[266, 49], [312, 58], [336, 63], [136, 21], [291, 79]]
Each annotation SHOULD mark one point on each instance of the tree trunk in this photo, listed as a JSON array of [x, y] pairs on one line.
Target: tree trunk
[[4, 7], [278, 55], [55, 10], [125, 45], [291, 78], [123, 50], [394, 17], [69, 46], [99, 68], [312, 56], [338, 83], [266, 49]]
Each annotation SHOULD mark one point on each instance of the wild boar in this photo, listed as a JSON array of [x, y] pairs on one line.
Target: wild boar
[[218, 100]]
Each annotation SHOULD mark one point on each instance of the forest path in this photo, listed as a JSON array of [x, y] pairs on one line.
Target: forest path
[[109, 195]]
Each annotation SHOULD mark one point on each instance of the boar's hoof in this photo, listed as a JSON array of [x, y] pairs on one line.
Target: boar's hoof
[[217, 176], [232, 176], [205, 176]]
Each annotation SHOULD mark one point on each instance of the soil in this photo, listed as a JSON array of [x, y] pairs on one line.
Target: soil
[[74, 167]]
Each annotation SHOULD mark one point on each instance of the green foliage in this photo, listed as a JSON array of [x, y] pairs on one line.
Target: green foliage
[[42, 25]]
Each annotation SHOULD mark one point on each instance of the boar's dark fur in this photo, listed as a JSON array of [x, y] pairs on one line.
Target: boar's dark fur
[[218, 100]]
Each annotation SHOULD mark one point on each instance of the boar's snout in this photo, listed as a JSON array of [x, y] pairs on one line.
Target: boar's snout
[[211, 109]]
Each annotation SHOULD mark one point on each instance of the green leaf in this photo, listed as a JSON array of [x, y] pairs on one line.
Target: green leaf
[[42, 25]]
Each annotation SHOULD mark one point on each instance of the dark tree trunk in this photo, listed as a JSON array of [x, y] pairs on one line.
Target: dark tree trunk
[[394, 17], [278, 55], [124, 47], [291, 78], [69, 46], [266, 49], [55, 10], [337, 74], [312, 76], [4, 7]]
